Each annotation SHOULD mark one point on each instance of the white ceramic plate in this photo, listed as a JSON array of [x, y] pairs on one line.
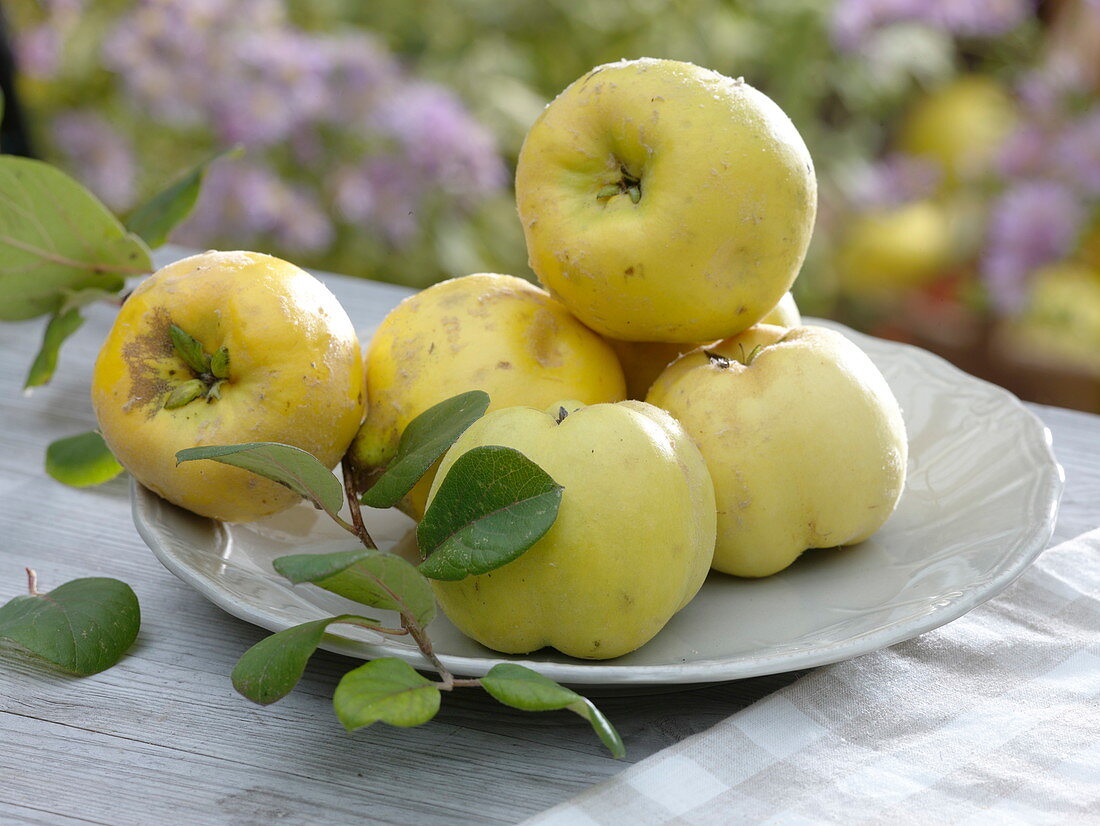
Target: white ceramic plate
[[979, 506]]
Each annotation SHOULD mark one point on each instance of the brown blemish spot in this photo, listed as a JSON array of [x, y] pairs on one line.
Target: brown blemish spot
[[595, 643], [628, 271], [150, 359], [543, 339], [504, 365]]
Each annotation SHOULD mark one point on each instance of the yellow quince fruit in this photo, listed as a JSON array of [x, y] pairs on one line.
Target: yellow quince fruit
[[227, 348], [960, 127], [805, 442], [490, 332], [644, 361], [894, 249], [631, 545], [665, 202]]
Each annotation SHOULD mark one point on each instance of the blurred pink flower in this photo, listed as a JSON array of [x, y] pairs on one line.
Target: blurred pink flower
[[306, 103], [855, 21], [38, 51], [895, 180], [104, 157], [243, 200], [1033, 223]]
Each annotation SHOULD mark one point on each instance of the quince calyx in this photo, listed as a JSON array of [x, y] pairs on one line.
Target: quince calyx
[[212, 371]]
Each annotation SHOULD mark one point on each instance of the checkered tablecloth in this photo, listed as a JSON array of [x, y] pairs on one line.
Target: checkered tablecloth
[[992, 719]]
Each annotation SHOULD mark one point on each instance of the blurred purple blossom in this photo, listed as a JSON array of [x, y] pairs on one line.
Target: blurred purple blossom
[[440, 140], [38, 51], [103, 156], [306, 102], [854, 21], [1076, 152], [245, 199], [895, 180], [1033, 223]]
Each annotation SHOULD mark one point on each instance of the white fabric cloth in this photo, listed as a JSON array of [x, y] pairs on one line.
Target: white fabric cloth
[[992, 719]]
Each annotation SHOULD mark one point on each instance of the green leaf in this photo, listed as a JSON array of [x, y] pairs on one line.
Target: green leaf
[[270, 669], [184, 394], [79, 299], [156, 218], [83, 626], [55, 236], [388, 691], [60, 328], [219, 363], [426, 438], [189, 348], [494, 504], [291, 466], [520, 687], [82, 460], [374, 578]]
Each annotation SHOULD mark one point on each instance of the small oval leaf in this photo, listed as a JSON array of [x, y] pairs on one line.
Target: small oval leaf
[[189, 348], [83, 626], [494, 504], [423, 441], [520, 687], [82, 460], [45, 363], [55, 237], [374, 578], [290, 466], [219, 363], [387, 691], [270, 669], [156, 218], [184, 394]]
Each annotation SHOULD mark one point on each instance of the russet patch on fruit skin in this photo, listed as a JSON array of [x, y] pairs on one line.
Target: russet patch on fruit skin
[[641, 212], [151, 363]]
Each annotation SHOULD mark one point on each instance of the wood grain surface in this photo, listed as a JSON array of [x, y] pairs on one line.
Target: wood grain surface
[[163, 738]]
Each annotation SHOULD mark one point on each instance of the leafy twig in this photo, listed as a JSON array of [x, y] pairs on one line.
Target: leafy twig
[[352, 493]]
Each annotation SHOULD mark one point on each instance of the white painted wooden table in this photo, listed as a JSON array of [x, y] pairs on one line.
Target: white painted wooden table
[[162, 738]]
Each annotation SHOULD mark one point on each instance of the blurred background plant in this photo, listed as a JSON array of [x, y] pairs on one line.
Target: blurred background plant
[[957, 142]]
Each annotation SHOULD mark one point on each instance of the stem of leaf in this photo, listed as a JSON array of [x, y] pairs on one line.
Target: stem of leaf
[[32, 582], [352, 493], [409, 624], [451, 682], [397, 632], [425, 646]]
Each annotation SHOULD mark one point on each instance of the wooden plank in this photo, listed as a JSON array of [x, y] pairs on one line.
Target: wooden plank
[[38, 816]]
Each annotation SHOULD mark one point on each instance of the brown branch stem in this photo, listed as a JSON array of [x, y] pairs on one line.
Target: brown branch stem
[[455, 682], [397, 632], [425, 646], [352, 492], [32, 582]]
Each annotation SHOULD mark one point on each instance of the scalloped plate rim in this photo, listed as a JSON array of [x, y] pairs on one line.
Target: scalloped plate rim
[[606, 673]]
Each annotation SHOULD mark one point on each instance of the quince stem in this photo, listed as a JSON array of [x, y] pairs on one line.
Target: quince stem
[[32, 582]]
